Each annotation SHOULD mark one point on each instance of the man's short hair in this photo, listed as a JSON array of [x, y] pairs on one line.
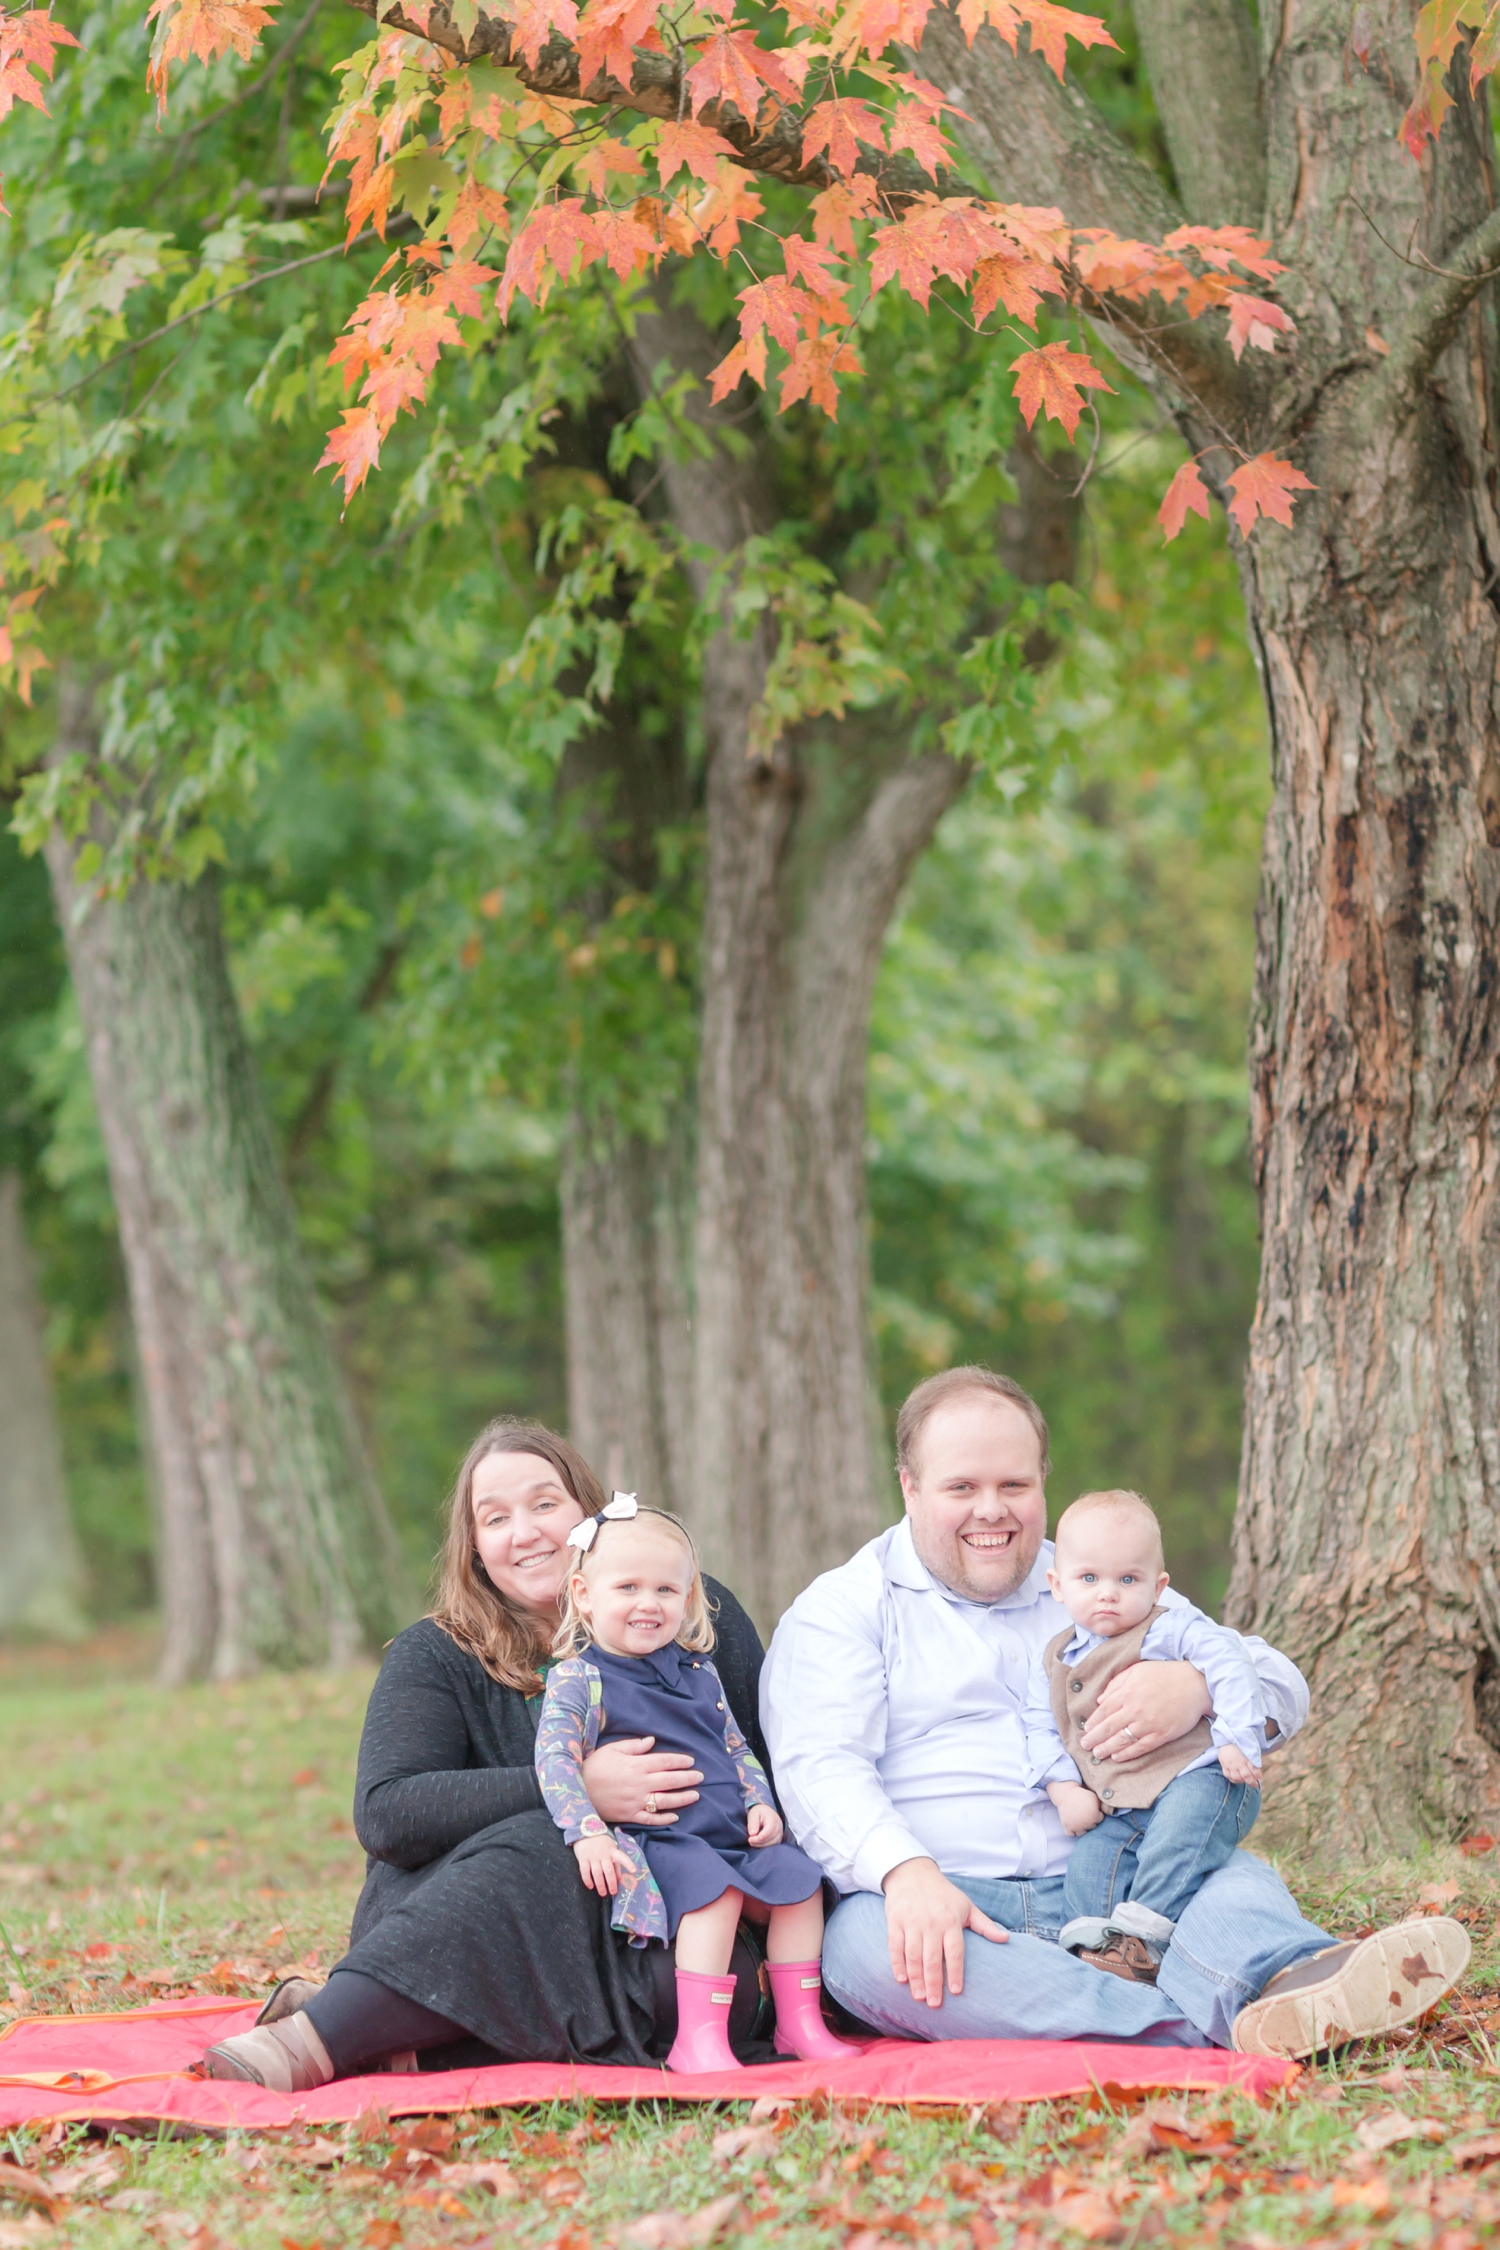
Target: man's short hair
[[1118, 1501], [960, 1382]]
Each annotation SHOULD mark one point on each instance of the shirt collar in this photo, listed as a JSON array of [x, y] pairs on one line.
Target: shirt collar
[[905, 1567]]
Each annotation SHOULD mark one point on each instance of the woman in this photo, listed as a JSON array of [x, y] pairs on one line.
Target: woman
[[474, 1939]]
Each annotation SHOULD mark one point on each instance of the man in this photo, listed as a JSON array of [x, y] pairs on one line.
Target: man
[[891, 1700]]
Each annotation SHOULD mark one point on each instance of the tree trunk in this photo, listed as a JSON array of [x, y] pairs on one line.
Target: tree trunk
[[274, 1544], [1368, 1536], [41, 1569], [1369, 1528], [807, 849]]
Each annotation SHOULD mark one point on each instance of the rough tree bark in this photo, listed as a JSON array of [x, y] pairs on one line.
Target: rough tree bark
[[273, 1543], [1367, 1539], [626, 1197], [41, 1568]]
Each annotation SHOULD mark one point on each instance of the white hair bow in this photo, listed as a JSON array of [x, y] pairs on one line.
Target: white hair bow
[[583, 1535]]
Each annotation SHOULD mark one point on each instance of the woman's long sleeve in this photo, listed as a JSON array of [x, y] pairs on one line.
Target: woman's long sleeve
[[418, 1792]]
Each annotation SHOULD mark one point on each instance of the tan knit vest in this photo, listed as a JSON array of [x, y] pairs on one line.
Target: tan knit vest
[[1076, 1689]]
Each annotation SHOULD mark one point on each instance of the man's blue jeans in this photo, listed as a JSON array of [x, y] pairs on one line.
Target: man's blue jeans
[[1160, 1857], [1240, 1929]]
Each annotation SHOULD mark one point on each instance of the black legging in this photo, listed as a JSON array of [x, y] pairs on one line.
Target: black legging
[[361, 2022]]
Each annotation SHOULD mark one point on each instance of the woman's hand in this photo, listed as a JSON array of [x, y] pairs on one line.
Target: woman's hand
[[632, 1782], [765, 1826], [1144, 1707], [601, 1863]]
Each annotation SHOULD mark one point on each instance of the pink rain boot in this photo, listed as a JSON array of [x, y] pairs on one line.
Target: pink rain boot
[[702, 2041], [800, 2029]]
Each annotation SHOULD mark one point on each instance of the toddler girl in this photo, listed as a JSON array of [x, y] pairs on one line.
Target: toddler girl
[[1149, 1834], [634, 1646]]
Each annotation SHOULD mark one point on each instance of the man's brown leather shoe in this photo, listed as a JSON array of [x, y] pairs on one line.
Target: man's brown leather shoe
[[1356, 1990], [1124, 1956]]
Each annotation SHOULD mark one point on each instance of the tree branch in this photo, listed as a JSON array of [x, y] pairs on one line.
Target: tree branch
[[1201, 59], [1431, 325]]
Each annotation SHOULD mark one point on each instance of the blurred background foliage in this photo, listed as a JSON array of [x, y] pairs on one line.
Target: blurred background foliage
[[368, 724]]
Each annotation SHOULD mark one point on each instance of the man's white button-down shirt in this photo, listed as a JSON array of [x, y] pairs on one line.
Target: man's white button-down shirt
[[893, 1712]]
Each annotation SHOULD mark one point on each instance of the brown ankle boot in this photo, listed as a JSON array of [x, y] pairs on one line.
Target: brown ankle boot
[[288, 2057], [1122, 1955]]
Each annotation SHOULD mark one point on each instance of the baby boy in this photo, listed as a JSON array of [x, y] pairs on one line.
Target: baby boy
[[1149, 1834]]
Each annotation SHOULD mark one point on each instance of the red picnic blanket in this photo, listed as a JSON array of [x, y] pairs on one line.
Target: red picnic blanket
[[135, 2065]]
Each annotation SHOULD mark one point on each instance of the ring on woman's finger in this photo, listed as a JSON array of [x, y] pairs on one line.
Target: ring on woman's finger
[[651, 1802], [1130, 1734]]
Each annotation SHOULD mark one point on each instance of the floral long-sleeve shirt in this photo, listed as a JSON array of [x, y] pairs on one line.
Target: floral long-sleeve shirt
[[571, 1718]]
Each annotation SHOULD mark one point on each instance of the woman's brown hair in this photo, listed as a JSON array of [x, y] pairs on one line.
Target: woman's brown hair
[[471, 1610]]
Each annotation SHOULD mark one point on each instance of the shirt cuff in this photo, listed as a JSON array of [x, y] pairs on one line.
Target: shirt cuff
[[884, 1848], [1247, 1740]]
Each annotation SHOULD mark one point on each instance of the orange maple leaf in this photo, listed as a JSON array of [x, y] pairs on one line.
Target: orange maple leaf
[[1053, 379], [1217, 246], [354, 450], [1012, 279], [835, 210], [1255, 320], [391, 385], [810, 372], [1483, 57], [28, 43], [609, 31], [1264, 487], [1424, 120], [554, 236], [775, 304], [479, 210], [623, 242], [838, 126], [915, 126], [1187, 490], [202, 28], [747, 358], [698, 147], [1051, 27], [534, 22], [869, 27], [594, 166], [734, 70]]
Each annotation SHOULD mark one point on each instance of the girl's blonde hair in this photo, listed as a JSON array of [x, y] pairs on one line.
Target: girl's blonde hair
[[507, 1640], [696, 1632]]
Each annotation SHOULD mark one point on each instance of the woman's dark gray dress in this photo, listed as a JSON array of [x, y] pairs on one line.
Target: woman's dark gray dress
[[473, 1904]]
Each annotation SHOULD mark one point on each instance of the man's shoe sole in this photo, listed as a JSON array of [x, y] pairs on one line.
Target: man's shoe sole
[[1388, 1979]]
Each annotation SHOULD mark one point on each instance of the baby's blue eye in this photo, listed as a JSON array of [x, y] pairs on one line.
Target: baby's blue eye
[[1088, 1578]]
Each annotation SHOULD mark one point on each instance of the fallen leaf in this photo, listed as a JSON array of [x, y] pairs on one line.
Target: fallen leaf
[[88, 2175], [1484, 2148], [305, 1777], [133, 2199], [563, 2184], [1090, 2215], [1438, 1894], [316, 2152], [28, 2187], [24, 2234], [1474, 1847], [381, 2234], [1373, 2196], [1379, 2133], [743, 2140], [1002, 2120], [772, 2106], [681, 2230], [497, 2177]]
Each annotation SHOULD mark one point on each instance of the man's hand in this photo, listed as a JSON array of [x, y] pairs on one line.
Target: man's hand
[[1143, 1707], [1078, 1808], [629, 1781], [765, 1826], [1235, 1766], [601, 1863], [925, 1920]]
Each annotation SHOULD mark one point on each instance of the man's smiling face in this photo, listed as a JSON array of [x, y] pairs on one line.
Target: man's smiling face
[[975, 1496]]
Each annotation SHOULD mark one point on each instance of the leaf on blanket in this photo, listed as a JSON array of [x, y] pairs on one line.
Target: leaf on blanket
[[682, 2230], [1379, 2133]]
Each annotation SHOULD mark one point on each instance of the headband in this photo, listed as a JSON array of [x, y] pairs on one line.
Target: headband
[[620, 1505]]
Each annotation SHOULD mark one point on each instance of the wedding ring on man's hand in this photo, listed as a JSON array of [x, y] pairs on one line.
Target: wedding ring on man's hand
[[1131, 1733], [651, 1802]]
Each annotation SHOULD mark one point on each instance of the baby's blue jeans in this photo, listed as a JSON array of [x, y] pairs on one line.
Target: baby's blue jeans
[[1160, 1857]]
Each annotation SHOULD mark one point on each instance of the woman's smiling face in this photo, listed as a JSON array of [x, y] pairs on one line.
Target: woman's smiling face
[[523, 1513]]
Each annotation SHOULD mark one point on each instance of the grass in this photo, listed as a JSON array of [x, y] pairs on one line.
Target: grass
[[155, 1844]]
